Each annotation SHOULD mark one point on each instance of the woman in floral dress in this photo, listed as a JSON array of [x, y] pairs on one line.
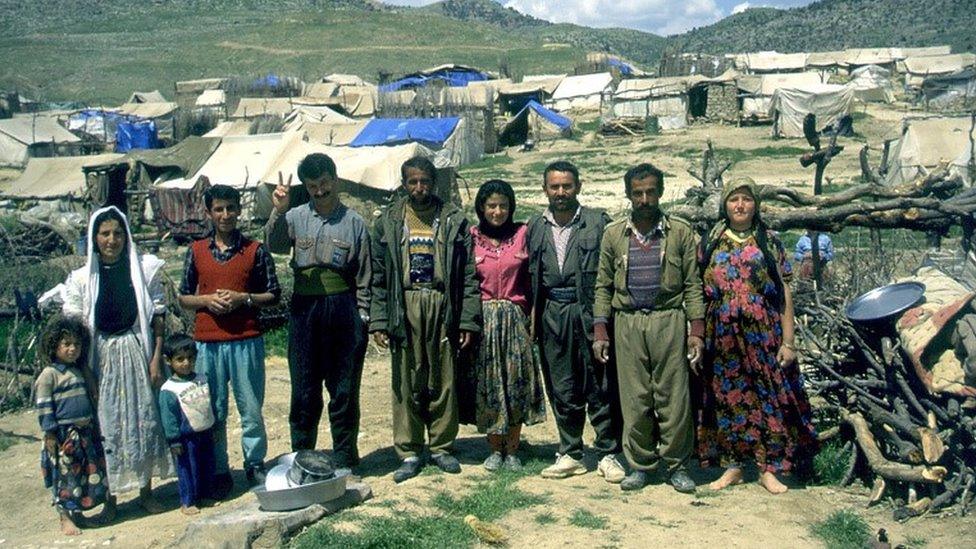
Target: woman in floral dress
[[509, 388], [753, 403]]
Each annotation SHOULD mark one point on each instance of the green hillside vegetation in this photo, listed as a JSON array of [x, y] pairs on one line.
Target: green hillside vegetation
[[838, 24]]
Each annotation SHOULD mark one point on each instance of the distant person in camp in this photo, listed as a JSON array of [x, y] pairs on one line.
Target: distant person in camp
[[426, 306], [119, 294], [509, 384], [753, 407], [803, 253], [227, 278], [647, 294], [564, 246], [329, 307]]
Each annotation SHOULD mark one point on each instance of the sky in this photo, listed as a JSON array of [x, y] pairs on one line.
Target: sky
[[662, 17]]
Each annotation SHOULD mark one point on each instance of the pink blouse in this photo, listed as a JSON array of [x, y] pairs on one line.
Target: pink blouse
[[504, 269]]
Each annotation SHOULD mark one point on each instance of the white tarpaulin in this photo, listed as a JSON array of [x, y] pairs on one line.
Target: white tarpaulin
[[211, 98], [583, 92], [917, 68], [789, 106], [62, 176], [769, 61], [759, 90], [20, 132], [872, 83], [926, 143]]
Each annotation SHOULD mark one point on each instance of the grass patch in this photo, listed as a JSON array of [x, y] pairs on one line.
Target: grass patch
[[830, 464], [276, 342], [588, 126], [585, 519], [842, 530], [915, 542], [489, 500], [433, 532], [6, 441], [546, 518]]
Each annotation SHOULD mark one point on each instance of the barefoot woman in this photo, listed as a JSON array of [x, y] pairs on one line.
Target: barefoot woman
[[754, 407]]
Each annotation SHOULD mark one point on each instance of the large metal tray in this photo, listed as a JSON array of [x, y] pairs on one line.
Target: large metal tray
[[885, 302], [297, 497]]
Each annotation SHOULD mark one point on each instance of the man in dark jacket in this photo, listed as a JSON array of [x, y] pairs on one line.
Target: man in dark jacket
[[564, 243], [426, 306]]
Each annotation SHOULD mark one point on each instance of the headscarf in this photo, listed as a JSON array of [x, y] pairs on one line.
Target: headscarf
[[708, 244], [490, 187]]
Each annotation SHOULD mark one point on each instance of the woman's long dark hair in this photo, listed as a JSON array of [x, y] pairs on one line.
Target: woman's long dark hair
[[490, 187], [109, 215]]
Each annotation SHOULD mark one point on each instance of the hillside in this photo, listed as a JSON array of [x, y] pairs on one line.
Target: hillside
[[838, 24]]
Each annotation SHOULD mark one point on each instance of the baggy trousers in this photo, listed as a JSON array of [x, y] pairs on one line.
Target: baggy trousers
[[195, 467], [576, 383], [239, 364], [326, 344], [424, 397], [652, 365]]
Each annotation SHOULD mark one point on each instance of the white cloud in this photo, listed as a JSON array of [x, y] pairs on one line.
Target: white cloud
[[659, 16], [739, 8]]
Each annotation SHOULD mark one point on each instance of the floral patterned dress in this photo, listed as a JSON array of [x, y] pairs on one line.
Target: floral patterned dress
[[752, 408]]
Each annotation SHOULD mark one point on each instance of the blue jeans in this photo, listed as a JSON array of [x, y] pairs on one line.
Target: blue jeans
[[241, 365]]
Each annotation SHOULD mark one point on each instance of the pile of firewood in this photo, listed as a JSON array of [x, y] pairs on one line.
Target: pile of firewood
[[22, 242]]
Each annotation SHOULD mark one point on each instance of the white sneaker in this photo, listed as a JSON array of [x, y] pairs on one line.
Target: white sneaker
[[611, 470], [565, 466]]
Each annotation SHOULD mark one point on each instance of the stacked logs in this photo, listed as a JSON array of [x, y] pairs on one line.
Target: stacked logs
[[23, 242]]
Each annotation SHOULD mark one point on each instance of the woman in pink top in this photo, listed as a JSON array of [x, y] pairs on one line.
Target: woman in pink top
[[509, 392]]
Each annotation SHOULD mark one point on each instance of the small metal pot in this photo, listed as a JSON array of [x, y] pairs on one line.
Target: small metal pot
[[310, 466]]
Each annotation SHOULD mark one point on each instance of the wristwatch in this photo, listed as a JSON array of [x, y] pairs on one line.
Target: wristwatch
[[250, 301]]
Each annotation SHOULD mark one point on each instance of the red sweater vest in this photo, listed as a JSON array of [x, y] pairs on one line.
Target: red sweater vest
[[232, 275]]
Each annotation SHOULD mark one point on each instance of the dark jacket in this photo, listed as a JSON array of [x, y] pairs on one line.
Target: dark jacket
[[587, 241], [453, 241]]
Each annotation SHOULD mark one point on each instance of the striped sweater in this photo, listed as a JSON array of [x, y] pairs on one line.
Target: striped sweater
[[62, 397]]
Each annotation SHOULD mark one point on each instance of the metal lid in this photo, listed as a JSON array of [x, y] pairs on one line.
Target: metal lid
[[885, 302]]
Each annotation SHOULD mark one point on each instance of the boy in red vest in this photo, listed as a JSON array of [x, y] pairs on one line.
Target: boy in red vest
[[227, 277]]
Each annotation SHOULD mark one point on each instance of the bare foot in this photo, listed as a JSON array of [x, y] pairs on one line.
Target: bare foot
[[190, 510], [731, 477], [68, 526], [771, 483]]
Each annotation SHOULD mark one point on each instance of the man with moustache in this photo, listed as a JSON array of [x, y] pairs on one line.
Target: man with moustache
[[329, 307], [647, 289], [426, 306], [564, 246], [227, 277]]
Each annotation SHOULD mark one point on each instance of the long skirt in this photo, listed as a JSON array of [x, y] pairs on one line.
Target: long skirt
[[135, 449], [76, 475], [509, 382]]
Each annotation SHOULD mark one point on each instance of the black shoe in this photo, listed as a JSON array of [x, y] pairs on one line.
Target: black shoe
[[446, 462], [256, 475], [682, 482], [634, 481], [222, 485], [407, 470]]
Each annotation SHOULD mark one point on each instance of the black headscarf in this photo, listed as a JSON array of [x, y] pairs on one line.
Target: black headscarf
[[490, 187]]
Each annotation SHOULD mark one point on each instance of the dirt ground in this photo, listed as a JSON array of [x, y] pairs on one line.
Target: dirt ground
[[742, 517]]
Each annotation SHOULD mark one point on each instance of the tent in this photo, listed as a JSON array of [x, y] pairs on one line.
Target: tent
[[136, 135], [23, 137], [344, 79], [951, 92], [162, 113], [926, 143], [450, 136], [871, 83], [757, 91], [188, 91], [449, 75], [58, 177], [146, 97], [858, 57], [237, 161], [666, 98], [230, 127], [584, 92], [249, 107], [513, 97], [766, 62], [535, 122], [789, 106], [918, 68], [830, 61], [211, 98]]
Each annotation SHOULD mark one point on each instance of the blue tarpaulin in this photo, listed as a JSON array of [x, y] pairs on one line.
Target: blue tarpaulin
[[453, 78], [551, 116], [625, 68], [393, 131], [136, 135]]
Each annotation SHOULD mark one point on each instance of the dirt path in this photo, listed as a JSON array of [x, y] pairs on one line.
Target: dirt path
[[657, 516]]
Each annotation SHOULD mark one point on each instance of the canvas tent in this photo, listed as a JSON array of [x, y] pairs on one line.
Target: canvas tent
[[950, 92], [828, 61], [871, 83], [450, 136], [859, 57], [767, 62], [535, 122], [918, 68], [249, 107], [162, 113], [344, 79], [757, 91], [53, 178], [512, 97], [789, 106], [582, 92], [23, 137], [211, 99], [666, 98], [230, 127], [146, 97], [448, 75], [926, 143], [237, 161], [188, 91]]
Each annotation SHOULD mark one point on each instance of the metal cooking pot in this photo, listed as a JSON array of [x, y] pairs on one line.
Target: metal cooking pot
[[310, 466]]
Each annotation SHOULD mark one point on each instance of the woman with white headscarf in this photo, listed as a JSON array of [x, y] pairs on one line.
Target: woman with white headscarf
[[120, 296]]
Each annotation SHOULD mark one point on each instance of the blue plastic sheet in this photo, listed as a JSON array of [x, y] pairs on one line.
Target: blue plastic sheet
[[549, 115], [394, 131], [136, 135]]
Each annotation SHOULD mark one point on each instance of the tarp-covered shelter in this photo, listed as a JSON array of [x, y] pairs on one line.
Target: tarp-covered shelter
[[829, 61], [211, 99], [187, 91], [512, 97], [537, 123], [230, 127], [766, 62], [136, 135], [238, 161], [163, 113], [449, 136], [249, 107], [665, 98], [344, 79], [448, 75], [582, 92], [789, 106], [872, 83], [926, 143], [23, 137], [146, 97], [757, 91], [919, 68], [58, 177], [950, 92], [859, 57]]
